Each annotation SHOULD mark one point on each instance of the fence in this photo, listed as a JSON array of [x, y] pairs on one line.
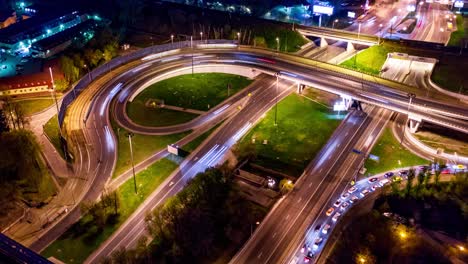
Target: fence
[[119, 61]]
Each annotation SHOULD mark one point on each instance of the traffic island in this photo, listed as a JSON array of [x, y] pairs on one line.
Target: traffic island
[[182, 98], [388, 154], [303, 125]]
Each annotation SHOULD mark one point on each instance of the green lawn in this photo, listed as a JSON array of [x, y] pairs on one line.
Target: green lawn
[[450, 73], [201, 91], [303, 128], [391, 155], [32, 106], [372, 59], [290, 41], [80, 240], [143, 147], [156, 117], [51, 129], [458, 35]]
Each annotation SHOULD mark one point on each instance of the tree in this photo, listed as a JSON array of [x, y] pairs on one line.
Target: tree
[[437, 176], [4, 127], [409, 183], [70, 71], [420, 178]]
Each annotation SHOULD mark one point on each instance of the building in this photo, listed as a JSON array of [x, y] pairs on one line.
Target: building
[[7, 17], [45, 23]]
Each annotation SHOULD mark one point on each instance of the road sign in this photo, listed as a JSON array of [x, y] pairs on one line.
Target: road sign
[[323, 9], [459, 4], [172, 149], [351, 14], [374, 157]]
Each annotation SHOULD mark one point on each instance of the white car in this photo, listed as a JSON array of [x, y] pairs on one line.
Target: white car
[[335, 217], [352, 189], [325, 229], [317, 242], [345, 195], [364, 192], [354, 199], [344, 206], [384, 182]]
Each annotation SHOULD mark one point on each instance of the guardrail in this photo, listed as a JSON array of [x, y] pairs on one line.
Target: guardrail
[[70, 97]]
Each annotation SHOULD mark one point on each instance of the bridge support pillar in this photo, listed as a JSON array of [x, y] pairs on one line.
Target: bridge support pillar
[[357, 105], [414, 125], [300, 88], [350, 47], [323, 43]]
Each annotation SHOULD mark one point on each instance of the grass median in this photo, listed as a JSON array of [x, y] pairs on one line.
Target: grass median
[[32, 106], [391, 155], [371, 59], [81, 239], [303, 127], [51, 129], [457, 36], [143, 147], [201, 91]]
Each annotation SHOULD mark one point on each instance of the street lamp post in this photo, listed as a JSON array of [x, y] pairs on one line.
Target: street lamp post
[[89, 73], [410, 96], [334, 21], [380, 33], [130, 135], [238, 39], [191, 47], [201, 37], [276, 99], [277, 44], [358, 36], [172, 40]]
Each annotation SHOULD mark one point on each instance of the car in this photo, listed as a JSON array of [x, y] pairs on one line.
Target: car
[[354, 199], [445, 171], [345, 195], [364, 192], [317, 242], [335, 217], [317, 228], [309, 256], [373, 188], [325, 229], [23, 60], [352, 189], [330, 211], [384, 182], [344, 206], [403, 173], [337, 203], [397, 179], [389, 174], [305, 249], [373, 179]]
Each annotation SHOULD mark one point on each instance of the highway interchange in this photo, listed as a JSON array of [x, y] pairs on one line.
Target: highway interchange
[[94, 144]]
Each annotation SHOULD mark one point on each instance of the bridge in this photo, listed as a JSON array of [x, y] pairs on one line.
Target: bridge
[[338, 35]]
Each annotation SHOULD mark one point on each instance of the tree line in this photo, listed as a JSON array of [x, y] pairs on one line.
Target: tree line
[[77, 62], [197, 224]]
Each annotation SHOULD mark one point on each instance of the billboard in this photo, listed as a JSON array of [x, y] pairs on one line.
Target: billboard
[[322, 9], [351, 14], [458, 4]]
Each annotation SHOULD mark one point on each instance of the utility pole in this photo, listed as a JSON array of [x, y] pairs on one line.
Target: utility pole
[[276, 99], [411, 96], [130, 135], [191, 47]]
